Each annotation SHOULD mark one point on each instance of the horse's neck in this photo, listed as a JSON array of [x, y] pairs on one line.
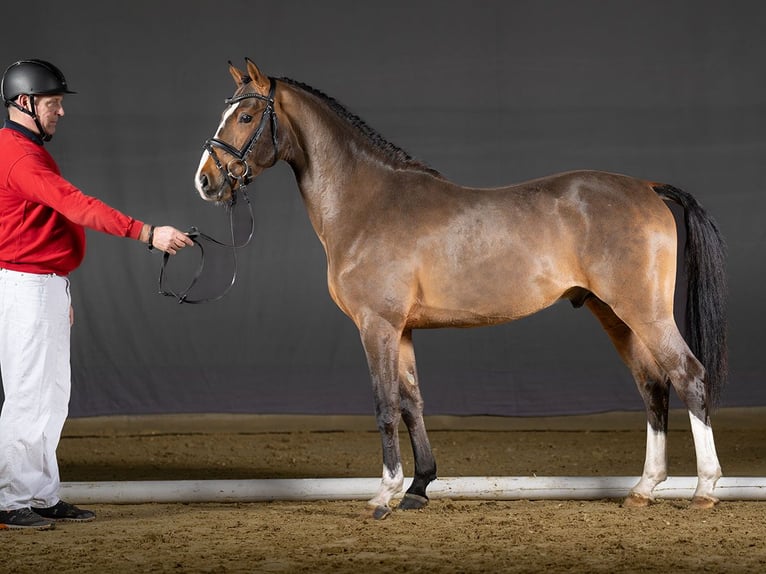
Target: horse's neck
[[332, 169]]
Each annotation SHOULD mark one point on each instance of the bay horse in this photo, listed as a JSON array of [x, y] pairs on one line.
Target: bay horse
[[407, 249]]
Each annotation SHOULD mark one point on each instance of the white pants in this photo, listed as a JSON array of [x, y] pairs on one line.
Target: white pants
[[34, 361]]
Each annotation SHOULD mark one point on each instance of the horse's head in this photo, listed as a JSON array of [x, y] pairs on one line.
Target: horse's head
[[246, 141]]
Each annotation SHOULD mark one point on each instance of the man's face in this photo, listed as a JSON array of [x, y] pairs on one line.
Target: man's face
[[49, 109]]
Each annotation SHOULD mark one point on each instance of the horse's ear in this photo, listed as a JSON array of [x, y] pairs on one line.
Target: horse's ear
[[260, 80], [239, 76]]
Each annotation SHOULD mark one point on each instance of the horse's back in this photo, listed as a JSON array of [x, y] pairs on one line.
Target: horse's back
[[575, 199], [588, 189]]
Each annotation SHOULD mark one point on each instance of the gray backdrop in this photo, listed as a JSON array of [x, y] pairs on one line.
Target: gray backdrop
[[488, 93]]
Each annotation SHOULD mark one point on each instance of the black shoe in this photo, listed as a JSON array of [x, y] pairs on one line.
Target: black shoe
[[65, 511], [24, 518]]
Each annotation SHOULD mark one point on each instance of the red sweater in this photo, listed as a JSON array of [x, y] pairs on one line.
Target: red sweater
[[42, 216]]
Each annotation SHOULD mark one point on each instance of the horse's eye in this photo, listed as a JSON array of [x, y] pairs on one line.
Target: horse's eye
[[245, 119]]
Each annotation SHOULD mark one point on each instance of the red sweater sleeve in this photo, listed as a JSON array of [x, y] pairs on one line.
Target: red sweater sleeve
[[38, 181]]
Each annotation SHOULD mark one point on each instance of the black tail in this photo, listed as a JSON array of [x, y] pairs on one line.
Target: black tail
[[706, 316]]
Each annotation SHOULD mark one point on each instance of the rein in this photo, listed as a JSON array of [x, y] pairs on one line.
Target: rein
[[196, 235], [236, 173]]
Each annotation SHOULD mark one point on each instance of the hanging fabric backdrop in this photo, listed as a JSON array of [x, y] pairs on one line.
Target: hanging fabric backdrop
[[495, 94]]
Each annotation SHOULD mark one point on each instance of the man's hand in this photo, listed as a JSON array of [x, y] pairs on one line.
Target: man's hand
[[166, 238]]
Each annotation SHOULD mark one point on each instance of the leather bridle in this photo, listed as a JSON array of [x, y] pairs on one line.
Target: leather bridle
[[236, 174], [237, 170]]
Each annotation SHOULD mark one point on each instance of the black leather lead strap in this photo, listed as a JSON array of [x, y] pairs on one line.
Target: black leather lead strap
[[197, 236]]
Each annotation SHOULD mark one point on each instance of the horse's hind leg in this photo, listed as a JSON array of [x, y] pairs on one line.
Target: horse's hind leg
[[412, 413], [673, 356], [687, 376], [654, 387]]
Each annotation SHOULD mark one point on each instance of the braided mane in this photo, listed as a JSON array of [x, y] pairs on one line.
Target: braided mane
[[393, 152]]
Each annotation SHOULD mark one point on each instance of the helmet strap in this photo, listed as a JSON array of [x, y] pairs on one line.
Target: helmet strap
[[44, 136]]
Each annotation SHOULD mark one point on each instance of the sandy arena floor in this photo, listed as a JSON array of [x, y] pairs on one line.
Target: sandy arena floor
[[451, 536]]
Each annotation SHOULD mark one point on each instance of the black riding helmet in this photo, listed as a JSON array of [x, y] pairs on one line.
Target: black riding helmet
[[34, 78]]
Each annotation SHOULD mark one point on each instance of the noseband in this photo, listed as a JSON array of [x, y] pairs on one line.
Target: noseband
[[236, 173]]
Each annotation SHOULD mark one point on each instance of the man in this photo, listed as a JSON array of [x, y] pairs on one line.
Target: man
[[42, 240]]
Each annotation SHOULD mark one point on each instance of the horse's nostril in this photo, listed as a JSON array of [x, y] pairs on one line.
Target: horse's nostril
[[204, 183]]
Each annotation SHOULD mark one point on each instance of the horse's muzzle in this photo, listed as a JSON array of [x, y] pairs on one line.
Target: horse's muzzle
[[208, 190]]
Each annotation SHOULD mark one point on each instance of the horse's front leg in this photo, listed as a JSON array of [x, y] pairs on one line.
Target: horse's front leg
[[412, 413], [381, 345]]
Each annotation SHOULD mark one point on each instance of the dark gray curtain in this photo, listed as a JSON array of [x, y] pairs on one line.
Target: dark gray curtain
[[488, 93]]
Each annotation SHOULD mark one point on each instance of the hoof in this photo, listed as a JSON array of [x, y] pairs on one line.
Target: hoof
[[413, 502], [381, 512], [635, 500], [704, 502]]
